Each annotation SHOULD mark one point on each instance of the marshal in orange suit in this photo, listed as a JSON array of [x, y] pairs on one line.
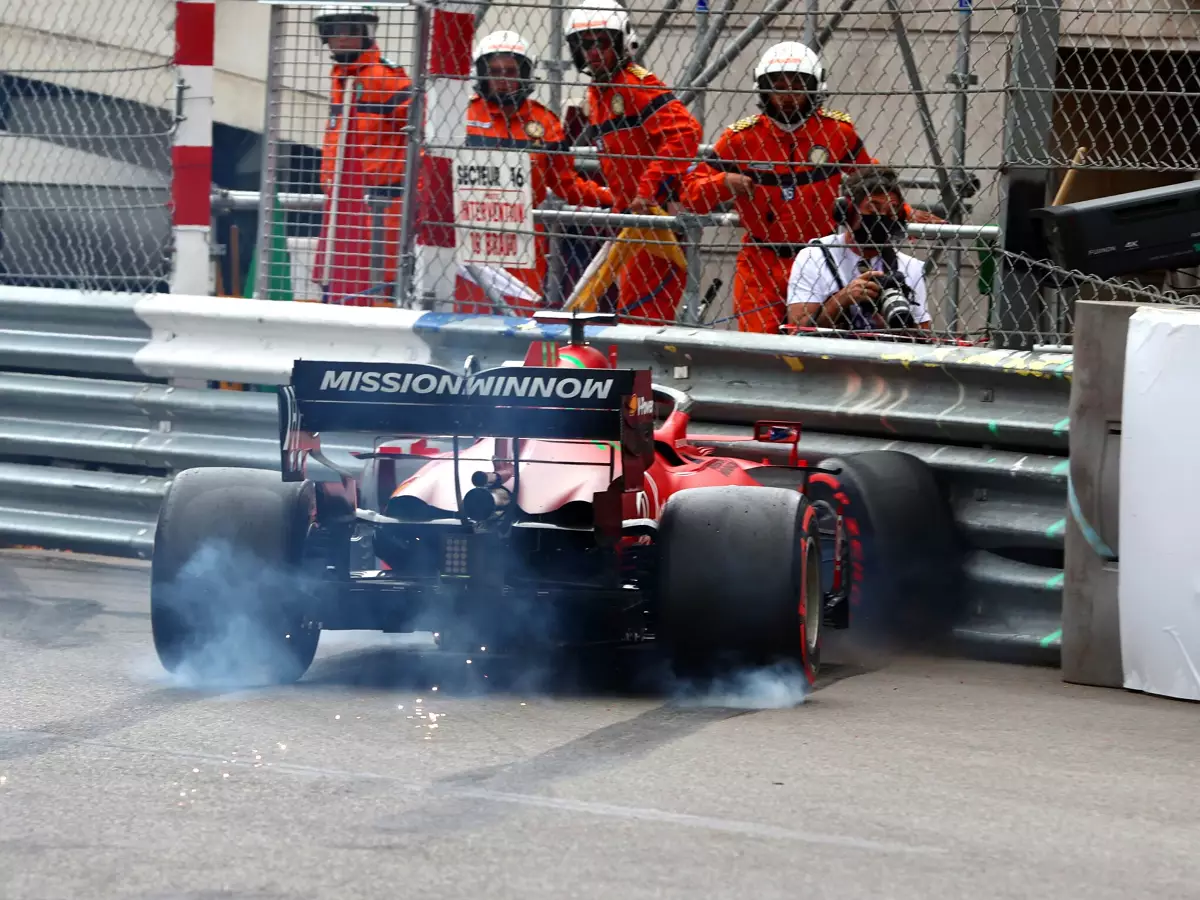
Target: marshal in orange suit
[[503, 115], [363, 156], [647, 140], [782, 170]]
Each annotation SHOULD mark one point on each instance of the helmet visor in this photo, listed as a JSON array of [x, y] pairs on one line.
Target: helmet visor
[[348, 26]]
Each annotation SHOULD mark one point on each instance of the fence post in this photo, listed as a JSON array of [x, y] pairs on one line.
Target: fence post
[[406, 270], [1026, 170], [267, 207], [191, 153], [451, 35], [556, 67], [700, 39], [1091, 622], [693, 234], [961, 80]]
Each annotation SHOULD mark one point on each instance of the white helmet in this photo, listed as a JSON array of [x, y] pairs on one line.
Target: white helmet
[[600, 15], [512, 43], [791, 56], [355, 13]]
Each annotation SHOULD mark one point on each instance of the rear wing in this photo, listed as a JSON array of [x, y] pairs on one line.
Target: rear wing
[[510, 402]]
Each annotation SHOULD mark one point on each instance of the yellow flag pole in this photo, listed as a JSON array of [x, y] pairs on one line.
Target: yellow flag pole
[[603, 270]]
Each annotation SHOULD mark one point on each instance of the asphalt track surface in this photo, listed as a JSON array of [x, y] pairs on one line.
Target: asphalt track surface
[[926, 779]]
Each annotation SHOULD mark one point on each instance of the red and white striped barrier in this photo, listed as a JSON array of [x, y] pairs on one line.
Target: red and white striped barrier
[[191, 155]]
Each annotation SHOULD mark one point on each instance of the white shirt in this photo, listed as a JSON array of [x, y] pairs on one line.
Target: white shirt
[[812, 280]]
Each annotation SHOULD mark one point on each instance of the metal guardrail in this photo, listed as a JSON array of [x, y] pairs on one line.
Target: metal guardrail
[[992, 424], [70, 331], [108, 513], [226, 200]]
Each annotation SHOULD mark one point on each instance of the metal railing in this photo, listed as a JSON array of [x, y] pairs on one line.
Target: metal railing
[[86, 451], [558, 218], [225, 200]]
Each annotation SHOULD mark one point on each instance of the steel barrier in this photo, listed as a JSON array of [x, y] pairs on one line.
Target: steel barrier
[[992, 424]]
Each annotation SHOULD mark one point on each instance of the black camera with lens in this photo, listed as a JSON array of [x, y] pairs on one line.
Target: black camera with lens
[[895, 295]]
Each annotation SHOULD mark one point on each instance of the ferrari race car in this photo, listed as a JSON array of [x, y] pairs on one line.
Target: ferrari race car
[[570, 508]]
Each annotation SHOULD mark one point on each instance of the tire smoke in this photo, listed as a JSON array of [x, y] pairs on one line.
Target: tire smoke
[[226, 610], [224, 621], [780, 686]]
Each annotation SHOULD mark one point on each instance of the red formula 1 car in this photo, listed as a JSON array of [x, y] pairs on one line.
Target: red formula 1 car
[[571, 508]]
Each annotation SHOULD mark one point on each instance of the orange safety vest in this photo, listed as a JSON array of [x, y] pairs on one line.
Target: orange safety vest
[[380, 92], [533, 127], [638, 116], [797, 175]]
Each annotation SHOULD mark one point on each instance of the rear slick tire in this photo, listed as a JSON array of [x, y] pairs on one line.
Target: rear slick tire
[[229, 603], [906, 554], [740, 581]]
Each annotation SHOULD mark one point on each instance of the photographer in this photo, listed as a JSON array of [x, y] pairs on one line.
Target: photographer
[[857, 279]]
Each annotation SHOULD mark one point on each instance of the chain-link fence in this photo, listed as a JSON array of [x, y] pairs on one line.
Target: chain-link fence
[[328, 122], [86, 113], [1124, 118], [980, 109]]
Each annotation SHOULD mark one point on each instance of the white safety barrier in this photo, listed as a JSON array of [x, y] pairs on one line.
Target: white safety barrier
[[256, 341], [1159, 580]]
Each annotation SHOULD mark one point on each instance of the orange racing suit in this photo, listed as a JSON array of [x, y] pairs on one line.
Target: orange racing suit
[[634, 117], [797, 177], [531, 126], [373, 95]]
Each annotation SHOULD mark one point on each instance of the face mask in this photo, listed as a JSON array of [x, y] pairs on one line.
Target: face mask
[[797, 115], [877, 229]]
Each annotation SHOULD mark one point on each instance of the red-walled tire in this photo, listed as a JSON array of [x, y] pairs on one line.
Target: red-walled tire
[[906, 560], [740, 580]]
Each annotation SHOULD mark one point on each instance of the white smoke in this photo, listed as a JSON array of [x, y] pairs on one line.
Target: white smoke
[[780, 686], [222, 591]]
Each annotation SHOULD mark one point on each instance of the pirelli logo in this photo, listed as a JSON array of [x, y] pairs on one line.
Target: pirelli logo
[[430, 385]]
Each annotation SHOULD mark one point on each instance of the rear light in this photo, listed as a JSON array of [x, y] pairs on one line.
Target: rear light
[[455, 555]]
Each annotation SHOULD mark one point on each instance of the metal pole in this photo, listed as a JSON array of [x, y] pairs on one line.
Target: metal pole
[[706, 38], [1028, 127], [698, 56], [406, 269], [227, 200], [961, 79], [707, 34], [555, 65], [693, 233], [914, 79], [664, 16], [734, 49], [826, 33], [377, 208], [270, 153], [555, 68], [811, 16]]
